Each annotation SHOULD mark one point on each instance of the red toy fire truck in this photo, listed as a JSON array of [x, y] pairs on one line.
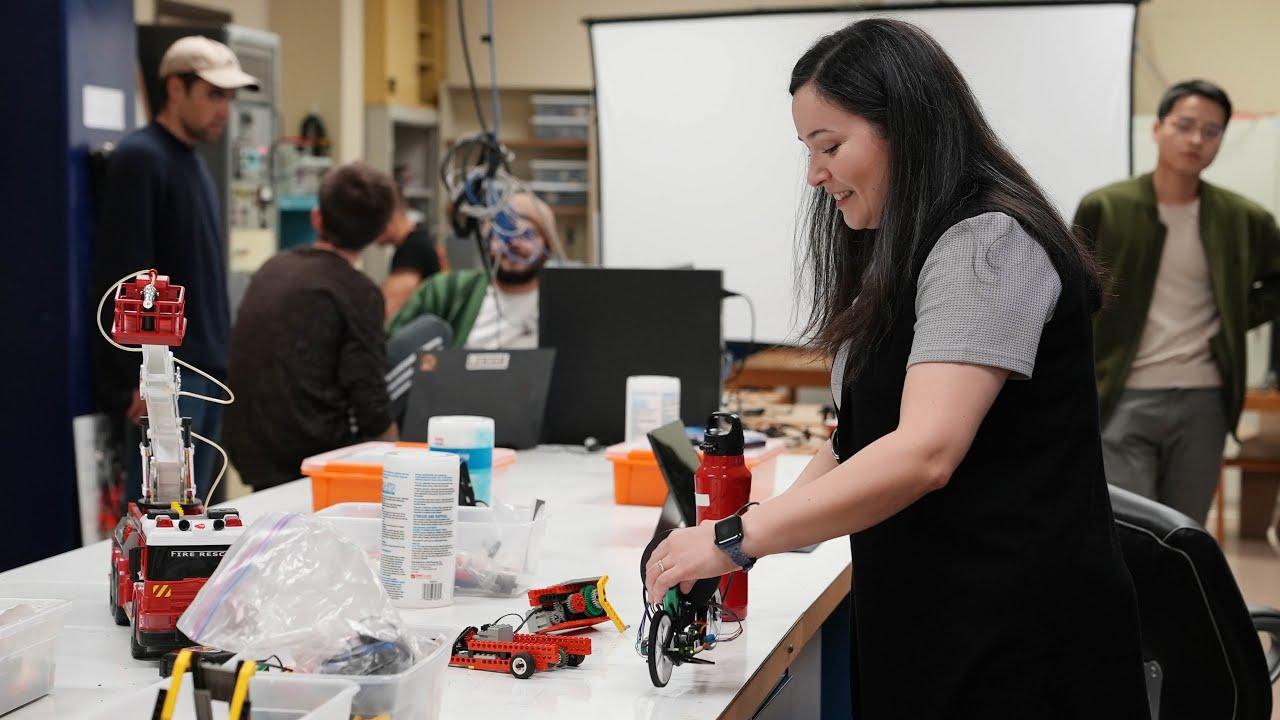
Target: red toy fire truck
[[498, 648], [166, 546], [571, 604]]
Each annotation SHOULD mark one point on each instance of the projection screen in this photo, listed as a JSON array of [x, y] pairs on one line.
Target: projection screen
[[699, 162]]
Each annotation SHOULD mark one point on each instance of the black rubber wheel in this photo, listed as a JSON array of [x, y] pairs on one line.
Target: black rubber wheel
[[576, 660], [522, 665], [660, 632], [117, 612]]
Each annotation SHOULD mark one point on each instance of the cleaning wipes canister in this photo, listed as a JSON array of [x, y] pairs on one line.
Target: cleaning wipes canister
[[419, 513]]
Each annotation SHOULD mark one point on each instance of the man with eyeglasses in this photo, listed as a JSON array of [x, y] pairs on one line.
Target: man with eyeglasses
[[487, 313], [1190, 267]]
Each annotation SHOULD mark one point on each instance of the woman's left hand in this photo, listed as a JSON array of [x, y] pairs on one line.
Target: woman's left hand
[[687, 555]]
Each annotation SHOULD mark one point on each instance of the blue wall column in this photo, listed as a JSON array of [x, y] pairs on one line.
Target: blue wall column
[[53, 49]]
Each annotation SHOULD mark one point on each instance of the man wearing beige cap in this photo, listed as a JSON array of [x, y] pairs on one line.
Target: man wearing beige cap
[[160, 210]]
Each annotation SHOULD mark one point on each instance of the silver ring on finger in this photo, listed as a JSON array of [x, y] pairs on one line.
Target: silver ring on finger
[[661, 568]]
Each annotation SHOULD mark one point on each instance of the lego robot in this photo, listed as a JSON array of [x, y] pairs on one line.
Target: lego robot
[[498, 648], [569, 605], [682, 626]]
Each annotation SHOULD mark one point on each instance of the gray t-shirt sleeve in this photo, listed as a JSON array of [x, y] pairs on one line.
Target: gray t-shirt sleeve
[[985, 293]]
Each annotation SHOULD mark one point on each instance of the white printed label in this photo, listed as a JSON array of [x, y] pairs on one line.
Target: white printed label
[[488, 361], [418, 515], [102, 107], [701, 499]]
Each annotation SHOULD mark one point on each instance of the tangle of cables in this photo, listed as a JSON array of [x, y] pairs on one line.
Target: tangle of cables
[[231, 397]]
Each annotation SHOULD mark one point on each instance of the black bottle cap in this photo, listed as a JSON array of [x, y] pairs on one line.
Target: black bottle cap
[[721, 441]]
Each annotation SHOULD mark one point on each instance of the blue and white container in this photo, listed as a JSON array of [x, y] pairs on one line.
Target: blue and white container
[[470, 438]]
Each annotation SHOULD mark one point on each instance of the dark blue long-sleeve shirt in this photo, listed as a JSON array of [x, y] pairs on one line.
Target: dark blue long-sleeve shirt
[[160, 210]]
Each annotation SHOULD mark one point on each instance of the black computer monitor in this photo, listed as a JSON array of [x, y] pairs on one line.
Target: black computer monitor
[[607, 324]]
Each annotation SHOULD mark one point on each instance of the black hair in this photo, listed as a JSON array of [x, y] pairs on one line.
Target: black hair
[[1203, 88], [944, 159], [356, 202]]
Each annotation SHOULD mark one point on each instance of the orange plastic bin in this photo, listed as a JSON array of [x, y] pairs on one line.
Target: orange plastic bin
[[637, 480], [354, 473]]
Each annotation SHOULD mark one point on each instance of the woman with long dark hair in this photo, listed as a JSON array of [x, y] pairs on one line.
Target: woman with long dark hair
[[967, 465]]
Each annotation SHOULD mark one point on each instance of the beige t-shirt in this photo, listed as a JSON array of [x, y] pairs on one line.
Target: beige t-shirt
[[505, 321], [1174, 350]]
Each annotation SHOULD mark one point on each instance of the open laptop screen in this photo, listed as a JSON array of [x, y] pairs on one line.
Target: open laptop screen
[[678, 463]]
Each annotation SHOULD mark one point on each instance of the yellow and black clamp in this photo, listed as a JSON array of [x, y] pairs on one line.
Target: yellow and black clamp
[[167, 700], [240, 696]]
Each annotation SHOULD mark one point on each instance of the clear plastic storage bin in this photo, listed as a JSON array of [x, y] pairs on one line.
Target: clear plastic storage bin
[[273, 697], [354, 473], [561, 193], [571, 106], [559, 171], [637, 479], [559, 128], [497, 548], [415, 694], [29, 632]]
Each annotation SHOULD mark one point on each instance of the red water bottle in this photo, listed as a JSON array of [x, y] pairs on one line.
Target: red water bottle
[[721, 487]]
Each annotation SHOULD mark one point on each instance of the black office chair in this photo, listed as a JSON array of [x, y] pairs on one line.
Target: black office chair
[[1200, 646]]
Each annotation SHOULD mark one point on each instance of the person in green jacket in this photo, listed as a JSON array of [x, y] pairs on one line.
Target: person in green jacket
[[503, 314], [1191, 268]]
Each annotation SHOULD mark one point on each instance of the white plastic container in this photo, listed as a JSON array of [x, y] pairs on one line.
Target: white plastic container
[[652, 401], [470, 438], [273, 696], [497, 548], [419, 509], [29, 632], [572, 106], [551, 127], [560, 171], [561, 194], [415, 694]]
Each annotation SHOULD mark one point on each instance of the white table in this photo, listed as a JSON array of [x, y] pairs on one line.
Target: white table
[[587, 534]]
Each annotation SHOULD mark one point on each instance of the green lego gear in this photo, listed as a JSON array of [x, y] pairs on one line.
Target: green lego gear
[[593, 607]]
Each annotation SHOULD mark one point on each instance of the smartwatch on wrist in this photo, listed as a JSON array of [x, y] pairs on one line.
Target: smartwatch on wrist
[[729, 539]]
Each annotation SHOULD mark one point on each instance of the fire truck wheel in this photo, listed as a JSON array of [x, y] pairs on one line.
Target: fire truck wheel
[[136, 648], [576, 660], [522, 665], [117, 612]]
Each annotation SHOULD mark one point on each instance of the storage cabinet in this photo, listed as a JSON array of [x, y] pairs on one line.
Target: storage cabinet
[[404, 51]]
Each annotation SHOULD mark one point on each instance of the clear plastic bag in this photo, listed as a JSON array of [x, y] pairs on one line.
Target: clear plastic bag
[[294, 587]]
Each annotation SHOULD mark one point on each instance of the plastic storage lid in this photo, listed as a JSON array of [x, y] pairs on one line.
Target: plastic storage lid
[[539, 99], [639, 452], [556, 186], [558, 164], [722, 441], [40, 610], [558, 120], [366, 458]]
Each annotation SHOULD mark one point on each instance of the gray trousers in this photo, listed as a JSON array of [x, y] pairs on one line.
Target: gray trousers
[[1167, 445]]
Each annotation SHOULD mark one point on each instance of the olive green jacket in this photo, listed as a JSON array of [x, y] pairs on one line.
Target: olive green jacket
[[1121, 224], [454, 296]]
